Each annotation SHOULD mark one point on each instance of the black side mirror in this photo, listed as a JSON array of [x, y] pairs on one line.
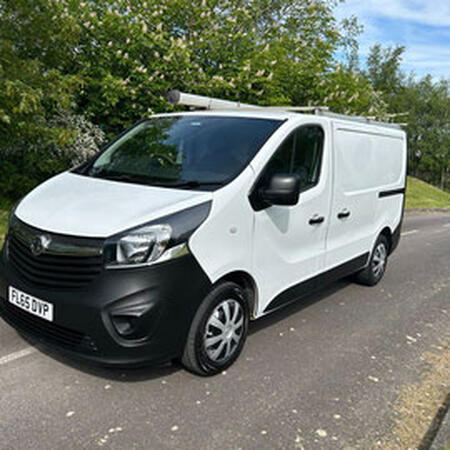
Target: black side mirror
[[282, 189]]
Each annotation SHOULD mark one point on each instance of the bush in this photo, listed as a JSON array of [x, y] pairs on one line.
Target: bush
[[27, 164]]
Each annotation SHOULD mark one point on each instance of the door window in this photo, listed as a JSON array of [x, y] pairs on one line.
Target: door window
[[300, 153]]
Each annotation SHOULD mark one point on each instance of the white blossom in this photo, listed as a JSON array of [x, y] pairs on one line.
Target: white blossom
[[88, 140]]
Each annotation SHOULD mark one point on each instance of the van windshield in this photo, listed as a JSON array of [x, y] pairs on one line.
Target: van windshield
[[203, 152]]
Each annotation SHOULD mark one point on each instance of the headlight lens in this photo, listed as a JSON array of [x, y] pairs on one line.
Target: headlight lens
[[141, 246], [158, 241], [144, 245]]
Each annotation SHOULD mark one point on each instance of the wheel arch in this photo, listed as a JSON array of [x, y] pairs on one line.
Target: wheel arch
[[387, 233], [246, 282]]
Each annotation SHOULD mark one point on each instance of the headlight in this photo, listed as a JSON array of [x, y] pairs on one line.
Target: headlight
[[155, 242], [146, 244]]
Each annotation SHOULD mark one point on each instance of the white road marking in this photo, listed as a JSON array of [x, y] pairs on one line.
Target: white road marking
[[16, 355], [447, 225], [409, 232]]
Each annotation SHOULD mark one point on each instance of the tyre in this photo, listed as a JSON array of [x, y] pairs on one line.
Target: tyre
[[374, 271], [218, 331]]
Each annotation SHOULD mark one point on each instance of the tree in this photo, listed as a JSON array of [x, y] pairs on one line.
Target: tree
[[428, 106], [113, 61], [424, 104]]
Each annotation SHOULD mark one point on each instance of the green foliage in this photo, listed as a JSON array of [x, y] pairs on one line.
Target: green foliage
[[258, 51], [113, 61], [422, 195], [5, 208], [428, 118], [34, 45], [383, 69]]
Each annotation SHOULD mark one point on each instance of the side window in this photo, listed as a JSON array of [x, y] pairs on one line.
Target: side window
[[300, 153], [281, 161], [307, 156]]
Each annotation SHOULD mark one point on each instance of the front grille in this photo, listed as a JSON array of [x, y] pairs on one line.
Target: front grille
[[46, 331], [50, 270]]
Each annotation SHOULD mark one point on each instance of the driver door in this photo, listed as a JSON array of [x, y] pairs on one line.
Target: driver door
[[290, 241]]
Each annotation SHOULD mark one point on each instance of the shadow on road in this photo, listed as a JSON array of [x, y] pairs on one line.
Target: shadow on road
[[145, 373]]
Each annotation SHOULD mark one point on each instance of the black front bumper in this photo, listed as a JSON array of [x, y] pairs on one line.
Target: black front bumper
[[170, 294]]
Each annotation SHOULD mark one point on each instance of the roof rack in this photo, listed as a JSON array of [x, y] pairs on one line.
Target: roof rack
[[176, 97]]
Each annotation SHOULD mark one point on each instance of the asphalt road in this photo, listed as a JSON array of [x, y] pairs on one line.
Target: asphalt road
[[320, 374]]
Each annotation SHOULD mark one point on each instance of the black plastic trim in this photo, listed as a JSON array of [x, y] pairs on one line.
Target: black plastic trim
[[395, 238], [170, 293], [183, 223], [313, 284], [383, 194]]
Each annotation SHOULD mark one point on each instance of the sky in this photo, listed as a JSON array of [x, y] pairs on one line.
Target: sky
[[422, 26]]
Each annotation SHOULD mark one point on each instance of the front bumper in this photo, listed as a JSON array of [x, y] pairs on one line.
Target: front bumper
[[170, 293]]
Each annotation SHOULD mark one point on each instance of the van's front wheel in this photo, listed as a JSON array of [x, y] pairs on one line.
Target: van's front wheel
[[374, 271], [218, 331]]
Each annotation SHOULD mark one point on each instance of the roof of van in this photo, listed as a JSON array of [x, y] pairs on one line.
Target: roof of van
[[254, 113], [287, 115]]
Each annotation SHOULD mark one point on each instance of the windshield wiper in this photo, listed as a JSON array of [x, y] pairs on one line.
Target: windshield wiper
[[189, 184], [123, 177], [153, 181]]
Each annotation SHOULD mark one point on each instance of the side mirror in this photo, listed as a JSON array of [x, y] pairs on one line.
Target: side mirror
[[282, 189]]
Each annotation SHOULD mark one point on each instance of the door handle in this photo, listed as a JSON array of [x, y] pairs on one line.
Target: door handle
[[343, 214], [316, 219]]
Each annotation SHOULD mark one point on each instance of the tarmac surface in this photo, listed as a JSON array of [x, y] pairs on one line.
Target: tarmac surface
[[323, 373]]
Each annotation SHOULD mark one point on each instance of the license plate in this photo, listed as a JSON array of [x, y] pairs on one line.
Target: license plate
[[31, 304]]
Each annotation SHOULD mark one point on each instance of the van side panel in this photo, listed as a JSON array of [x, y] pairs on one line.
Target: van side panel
[[368, 161]]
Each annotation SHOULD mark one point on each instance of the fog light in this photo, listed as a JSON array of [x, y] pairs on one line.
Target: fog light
[[124, 325], [134, 322]]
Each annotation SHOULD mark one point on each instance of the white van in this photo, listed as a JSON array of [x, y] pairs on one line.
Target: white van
[[169, 241]]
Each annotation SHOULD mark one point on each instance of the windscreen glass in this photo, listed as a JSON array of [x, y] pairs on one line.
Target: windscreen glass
[[184, 151]]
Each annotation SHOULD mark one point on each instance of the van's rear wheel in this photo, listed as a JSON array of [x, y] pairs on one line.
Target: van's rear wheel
[[218, 331], [374, 271]]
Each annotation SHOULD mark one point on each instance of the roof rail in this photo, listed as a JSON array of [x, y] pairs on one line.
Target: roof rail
[[176, 97], [361, 119]]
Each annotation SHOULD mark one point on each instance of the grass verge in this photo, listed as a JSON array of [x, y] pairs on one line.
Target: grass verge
[[418, 403], [423, 195]]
